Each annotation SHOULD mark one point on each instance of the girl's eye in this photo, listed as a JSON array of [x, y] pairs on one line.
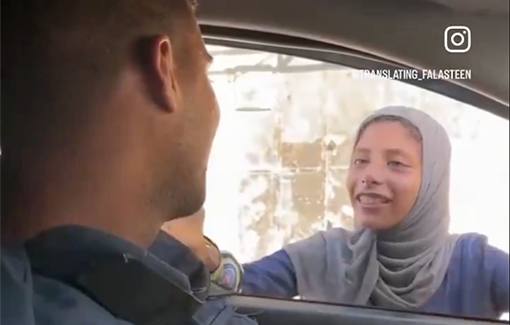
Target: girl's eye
[[395, 164], [360, 161]]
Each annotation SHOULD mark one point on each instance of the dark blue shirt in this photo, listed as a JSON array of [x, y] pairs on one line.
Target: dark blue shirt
[[476, 283], [75, 275]]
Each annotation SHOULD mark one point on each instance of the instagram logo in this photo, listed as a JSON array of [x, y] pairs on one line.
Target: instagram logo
[[457, 39]]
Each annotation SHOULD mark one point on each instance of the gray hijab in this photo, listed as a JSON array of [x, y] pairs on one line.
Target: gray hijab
[[400, 269]]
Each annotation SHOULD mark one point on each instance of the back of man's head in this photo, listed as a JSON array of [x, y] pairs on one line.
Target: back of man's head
[[91, 87], [62, 57]]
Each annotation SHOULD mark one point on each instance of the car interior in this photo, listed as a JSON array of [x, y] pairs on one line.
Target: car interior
[[369, 34]]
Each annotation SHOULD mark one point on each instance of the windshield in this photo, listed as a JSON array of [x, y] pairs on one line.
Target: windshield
[[279, 164]]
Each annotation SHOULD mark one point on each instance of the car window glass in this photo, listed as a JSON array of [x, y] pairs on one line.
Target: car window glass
[[279, 161]]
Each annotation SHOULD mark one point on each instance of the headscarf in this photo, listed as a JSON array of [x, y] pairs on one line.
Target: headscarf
[[402, 268]]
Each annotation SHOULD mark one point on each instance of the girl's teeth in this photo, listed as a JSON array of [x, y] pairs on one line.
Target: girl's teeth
[[369, 200]]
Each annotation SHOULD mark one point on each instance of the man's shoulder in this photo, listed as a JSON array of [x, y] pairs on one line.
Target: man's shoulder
[[16, 285], [29, 298]]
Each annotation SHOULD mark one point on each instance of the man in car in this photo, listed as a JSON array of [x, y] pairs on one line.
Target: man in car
[[108, 120]]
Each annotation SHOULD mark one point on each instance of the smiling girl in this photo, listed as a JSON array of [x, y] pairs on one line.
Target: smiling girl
[[401, 254]]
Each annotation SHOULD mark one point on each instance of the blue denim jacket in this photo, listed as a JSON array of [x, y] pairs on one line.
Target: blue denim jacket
[[75, 275]]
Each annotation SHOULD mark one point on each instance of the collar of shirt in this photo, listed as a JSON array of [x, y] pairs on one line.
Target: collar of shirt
[[127, 280]]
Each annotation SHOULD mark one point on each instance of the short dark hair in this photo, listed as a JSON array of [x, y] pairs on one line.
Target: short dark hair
[[61, 57]]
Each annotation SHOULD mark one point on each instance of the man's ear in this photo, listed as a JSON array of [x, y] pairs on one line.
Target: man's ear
[[162, 81]]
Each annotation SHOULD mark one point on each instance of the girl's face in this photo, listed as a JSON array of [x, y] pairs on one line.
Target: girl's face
[[385, 175]]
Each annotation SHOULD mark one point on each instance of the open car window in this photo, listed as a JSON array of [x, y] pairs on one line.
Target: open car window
[[280, 157]]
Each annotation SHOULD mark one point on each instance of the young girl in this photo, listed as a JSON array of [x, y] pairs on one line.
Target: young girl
[[401, 254]]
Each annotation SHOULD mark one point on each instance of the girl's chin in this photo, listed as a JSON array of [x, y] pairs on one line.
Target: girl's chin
[[373, 222]]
